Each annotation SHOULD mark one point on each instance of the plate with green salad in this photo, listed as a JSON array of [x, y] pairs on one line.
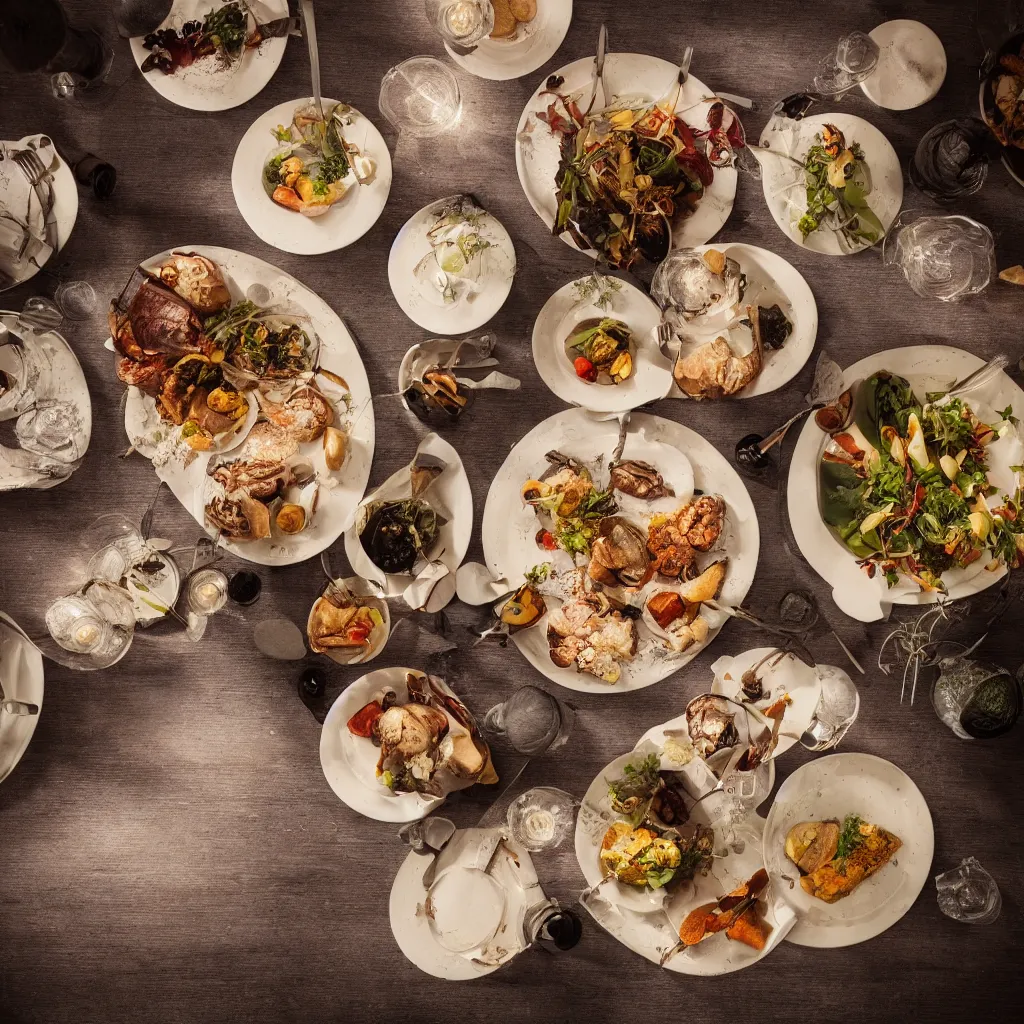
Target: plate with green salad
[[832, 182], [921, 495]]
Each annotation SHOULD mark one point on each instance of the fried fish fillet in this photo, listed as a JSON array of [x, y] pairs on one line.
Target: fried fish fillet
[[840, 876]]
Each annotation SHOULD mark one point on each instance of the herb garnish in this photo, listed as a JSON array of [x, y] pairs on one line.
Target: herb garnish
[[849, 836]]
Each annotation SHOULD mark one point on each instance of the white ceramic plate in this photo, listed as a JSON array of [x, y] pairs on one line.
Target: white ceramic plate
[[787, 676], [770, 280], [928, 368], [205, 85], [346, 222], [59, 378], [533, 45], [642, 925], [626, 76], [21, 671], [360, 588], [652, 372], [21, 199], [510, 527], [338, 353], [497, 267], [783, 180], [349, 762], [911, 65], [878, 791], [452, 497], [511, 882]]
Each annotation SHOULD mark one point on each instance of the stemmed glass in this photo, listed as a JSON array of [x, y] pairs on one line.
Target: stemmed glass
[[837, 710], [945, 257], [91, 628], [542, 817]]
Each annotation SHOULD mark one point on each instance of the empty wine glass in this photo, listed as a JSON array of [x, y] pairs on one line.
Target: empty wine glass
[[420, 97], [462, 22], [969, 893], [946, 257], [542, 817], [76, 299], [531, 720], [837, 710], [850, 63], [951, 160]]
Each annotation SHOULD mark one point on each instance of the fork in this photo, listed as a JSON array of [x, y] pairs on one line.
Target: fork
[[38, 176]]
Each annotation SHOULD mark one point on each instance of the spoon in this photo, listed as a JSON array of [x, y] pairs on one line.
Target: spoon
[[309, 31], [832, 417]]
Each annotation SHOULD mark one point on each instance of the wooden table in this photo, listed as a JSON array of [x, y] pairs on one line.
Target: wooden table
[[169, 849]]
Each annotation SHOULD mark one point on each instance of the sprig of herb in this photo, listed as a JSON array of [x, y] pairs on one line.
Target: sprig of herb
[[849, 836]]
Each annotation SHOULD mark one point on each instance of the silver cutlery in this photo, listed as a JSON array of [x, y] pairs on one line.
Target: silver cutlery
[[309, 23], [597, 78], [42, 183]]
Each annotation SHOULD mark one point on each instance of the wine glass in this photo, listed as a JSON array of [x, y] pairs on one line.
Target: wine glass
[[420, 97], [90, 628], [837, 710]]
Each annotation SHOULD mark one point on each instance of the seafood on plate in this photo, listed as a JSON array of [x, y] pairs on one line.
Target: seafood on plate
[[315, 164], [608, 564], [675, 540], [739, 914], [906, 486], [834, 858], [430, 744], [268, 489], [182, 342], [591, 634]]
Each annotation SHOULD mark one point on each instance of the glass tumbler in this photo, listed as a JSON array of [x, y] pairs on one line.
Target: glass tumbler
[[951, 160], [462, 22], [837, 710], [968, 893], [850, 63], [531, 720], [420, 97], [542, 817]]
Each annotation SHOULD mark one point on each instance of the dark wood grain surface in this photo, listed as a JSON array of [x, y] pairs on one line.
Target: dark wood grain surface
[[169, 849]]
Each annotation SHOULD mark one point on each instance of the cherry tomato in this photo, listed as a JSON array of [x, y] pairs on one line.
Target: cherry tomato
[[585, 368], [546, 540]]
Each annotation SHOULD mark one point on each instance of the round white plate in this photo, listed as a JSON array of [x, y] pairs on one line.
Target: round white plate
[[789, 676], [626, 76], [204, 85], [783, 180], [359, 587], [911, 66], [346, 222], [652, 372], [497, 268], [510, 527], [534, 45], [21, 671], [349, 761], [833, 787], [715, 955], [338, 353], [454, 500], [770, 280], [17, 195], [928, 368]]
